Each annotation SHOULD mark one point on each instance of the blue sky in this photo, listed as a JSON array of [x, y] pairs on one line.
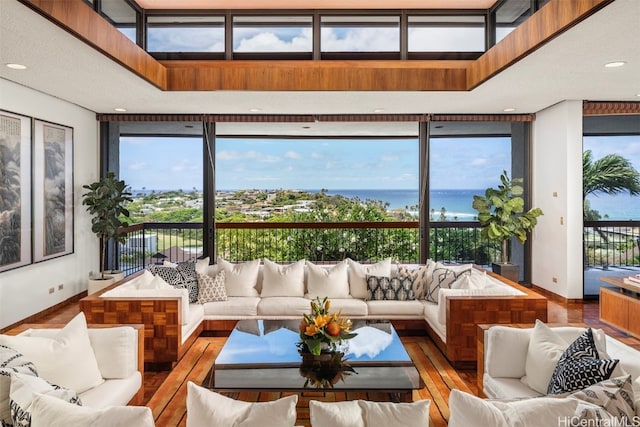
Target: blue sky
[[470, 163], [175, 163]]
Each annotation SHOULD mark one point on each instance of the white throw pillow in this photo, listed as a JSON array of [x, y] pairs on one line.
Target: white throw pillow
[[240, 279], [365, 413], [202, 265], [358, 275], [11, 362], [51, 412], [545, 349], [282, 280], [24, 388], [414, 414], [331, 282], [442, 277], [206, 408], [335, 414], [66, 360], [467, 410], [154, 282]]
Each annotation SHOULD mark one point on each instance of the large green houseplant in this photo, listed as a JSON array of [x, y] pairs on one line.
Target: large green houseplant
[[106, 200], [502, 216]]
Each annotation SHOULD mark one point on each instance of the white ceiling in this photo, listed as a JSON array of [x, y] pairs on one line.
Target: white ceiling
[[568, 67], [316, 4]]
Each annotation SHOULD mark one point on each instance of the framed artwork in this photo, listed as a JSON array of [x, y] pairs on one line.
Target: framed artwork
[[52, 190], [15, 190]]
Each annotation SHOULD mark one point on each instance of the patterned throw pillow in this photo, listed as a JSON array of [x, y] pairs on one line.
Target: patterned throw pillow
[[442, 278], [615, 396], [23, 390], [211, 288], [381, 288], [182, 276], [580, 367], [11, 362], [420, 276]]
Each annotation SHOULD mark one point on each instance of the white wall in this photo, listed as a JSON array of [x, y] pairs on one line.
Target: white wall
[[557, 168], [24, 291]]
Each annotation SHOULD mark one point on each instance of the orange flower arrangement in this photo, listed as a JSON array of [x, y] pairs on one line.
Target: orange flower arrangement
[[323, 329]]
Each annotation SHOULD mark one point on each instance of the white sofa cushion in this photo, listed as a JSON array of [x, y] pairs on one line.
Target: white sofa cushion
[[349, 306], [283, 306], [116, 350], [327, 281], [67, 359], [240, 279], [358, 275], [413, 308], [206, 408], [112, 392], [282, 280], [233, 306], [366, 413], [51, 412]]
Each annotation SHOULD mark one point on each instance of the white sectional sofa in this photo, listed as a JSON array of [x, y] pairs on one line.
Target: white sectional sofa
[[172, 325]]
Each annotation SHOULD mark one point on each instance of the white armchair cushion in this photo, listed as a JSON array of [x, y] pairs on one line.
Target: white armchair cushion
[[331, 282], [206, 408], [51, 412], [116, 350], [67, 359], [358, 275], [240, 279], [282, 280], [335, 414]]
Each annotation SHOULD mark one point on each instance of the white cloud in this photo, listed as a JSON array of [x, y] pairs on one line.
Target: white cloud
[[138, 166], [360, 40], [293, 155], [269, 41], [184, 165], [315, 155], [389, 158], [247, 155], [479, 161]]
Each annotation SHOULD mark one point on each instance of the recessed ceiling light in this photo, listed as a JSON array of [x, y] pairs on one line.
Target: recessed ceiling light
[[255, 110], [16, 66], [306, 127], [120, 109], [378, 110], [614, 64], [638, 94], [509, 110], [188, 126]]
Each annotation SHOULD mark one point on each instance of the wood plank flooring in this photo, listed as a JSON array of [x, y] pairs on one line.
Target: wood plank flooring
[[165, 391]]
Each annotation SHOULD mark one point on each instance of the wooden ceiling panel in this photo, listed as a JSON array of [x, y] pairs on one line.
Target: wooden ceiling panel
[[316, 4]]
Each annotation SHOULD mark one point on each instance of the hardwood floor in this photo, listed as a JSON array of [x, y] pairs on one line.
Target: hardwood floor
[[165, 391]]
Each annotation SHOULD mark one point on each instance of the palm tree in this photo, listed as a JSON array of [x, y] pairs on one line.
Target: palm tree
[[612, 174]]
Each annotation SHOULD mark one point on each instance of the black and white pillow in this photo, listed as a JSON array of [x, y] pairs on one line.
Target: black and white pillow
[[580, 366], [614, 396], [382, 288], [442, 278], [421, 277], [11, 362], [182, 276], [23, 390]]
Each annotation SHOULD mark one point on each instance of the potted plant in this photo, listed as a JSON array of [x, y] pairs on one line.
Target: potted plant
[[106, 200], [502, 216]]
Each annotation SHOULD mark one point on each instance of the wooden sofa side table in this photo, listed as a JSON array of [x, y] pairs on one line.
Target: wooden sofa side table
[[620, 307]]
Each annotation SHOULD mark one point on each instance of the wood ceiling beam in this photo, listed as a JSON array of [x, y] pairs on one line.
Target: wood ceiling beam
[[78, 18]]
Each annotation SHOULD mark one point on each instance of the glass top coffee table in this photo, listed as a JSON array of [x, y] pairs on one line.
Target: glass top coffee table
[[261, 355]]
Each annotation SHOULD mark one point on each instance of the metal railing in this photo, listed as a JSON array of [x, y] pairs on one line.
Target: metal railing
[[611, 243], [456, 241]]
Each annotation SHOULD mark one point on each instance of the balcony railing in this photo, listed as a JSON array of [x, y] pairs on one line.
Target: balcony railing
[[611, 243], [606, 243]]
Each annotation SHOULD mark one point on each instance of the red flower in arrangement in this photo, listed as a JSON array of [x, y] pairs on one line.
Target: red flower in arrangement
[[322, 329]]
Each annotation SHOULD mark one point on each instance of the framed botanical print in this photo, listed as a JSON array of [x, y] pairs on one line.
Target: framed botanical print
[[15, 190], [52, 190]]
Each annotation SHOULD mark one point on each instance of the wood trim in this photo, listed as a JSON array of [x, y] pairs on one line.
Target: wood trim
[[77, 18], [550, 21], [339, 75], [591, 108]]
